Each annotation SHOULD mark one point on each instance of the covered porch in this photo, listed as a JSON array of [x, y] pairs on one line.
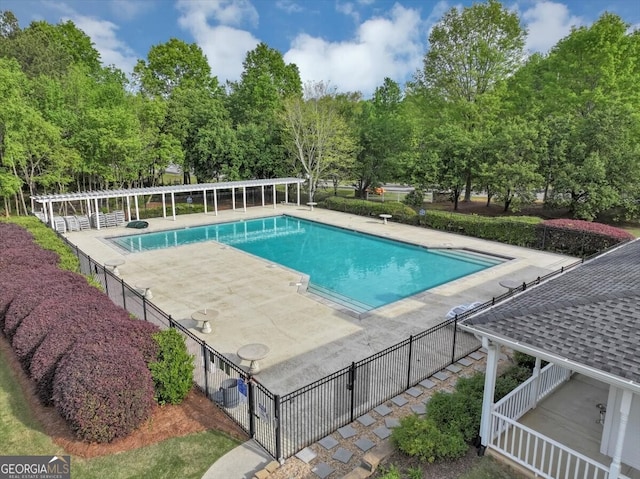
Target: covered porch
[[554, 427]]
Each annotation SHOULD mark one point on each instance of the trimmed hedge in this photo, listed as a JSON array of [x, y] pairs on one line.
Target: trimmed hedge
[[100, 394], [571, 237], [84, 307], [173, 372], [42, 286], [141, 336], [578, 237], [400, 212], [27, 254], [515, 230], [59, 340], [47, 239], [13, 282]]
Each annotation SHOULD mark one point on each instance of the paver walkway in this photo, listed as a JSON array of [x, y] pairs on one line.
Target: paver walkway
[[341, 452]]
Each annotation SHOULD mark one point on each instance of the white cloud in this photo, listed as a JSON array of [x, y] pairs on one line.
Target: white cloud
[[129, 9], [225, 12], [225, 46], [348, 9], [382, 47], [547, 23], [103, 34], [289, 6]]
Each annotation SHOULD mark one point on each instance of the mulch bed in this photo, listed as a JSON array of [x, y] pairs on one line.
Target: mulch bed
[[195, 414]]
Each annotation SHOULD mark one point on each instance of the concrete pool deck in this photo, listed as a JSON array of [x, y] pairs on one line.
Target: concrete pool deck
[[259, 302]]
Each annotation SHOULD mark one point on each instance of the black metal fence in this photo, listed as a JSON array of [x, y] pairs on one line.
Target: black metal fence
[[285, 424]]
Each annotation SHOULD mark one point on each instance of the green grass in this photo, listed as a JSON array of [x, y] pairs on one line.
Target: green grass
[[185, 457], [488, 468]]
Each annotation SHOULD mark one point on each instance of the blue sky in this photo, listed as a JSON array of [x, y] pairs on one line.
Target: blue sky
[[352, 44]]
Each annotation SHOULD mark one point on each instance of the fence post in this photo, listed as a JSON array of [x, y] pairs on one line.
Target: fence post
[[351, 384], [144, 307], [171, 324], [252, 401], [124, 296], [409, 363], [206, 368], [455, 332], [278, 431], [106, 284]]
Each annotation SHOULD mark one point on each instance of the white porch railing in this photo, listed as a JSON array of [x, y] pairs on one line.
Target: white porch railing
[[544, 456], [525, 397]]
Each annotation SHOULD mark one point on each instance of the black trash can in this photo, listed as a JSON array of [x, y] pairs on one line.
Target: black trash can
[[230, 394]]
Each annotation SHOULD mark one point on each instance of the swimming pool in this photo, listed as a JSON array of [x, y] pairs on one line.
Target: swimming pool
[[356, 270]]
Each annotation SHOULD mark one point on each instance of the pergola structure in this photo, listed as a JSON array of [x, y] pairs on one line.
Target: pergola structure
[[91, 197]]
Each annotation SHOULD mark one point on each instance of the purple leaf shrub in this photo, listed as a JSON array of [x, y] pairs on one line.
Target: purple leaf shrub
[[14, 281], [140, 337], [27, 254], [103, 389], [63, 336], [12, 235], [46, 283], [85, 307], [592, 227]]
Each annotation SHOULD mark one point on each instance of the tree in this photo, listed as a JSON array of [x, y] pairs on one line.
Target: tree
[[256, 105], [172, 64], [317, 134], [384, 135], [30, 146], [512, 170], [587, 93], [45, 49], [470, 50]]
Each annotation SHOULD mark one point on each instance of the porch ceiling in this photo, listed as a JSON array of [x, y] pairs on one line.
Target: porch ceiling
[[589, 316]]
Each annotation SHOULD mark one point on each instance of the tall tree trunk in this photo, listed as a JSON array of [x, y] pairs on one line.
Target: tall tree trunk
[[467, 189]]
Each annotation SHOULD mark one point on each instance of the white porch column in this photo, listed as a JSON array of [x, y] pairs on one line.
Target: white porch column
[[262, 194], [173, 205], [215, 201], [129, 208], [244, 198], [625, 407], [233, 198], [88, 208], [275, 196], [535, 386], [164, 207], [298, 194], [493, 350], [51, 215], [135, 202], [286, 192], [95, 200], [204, 196]]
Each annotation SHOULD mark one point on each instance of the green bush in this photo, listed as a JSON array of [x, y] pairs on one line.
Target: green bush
[[459, 412], [391, 472], [510, 379], [516, 230], [422, 438], [173, 371], [400, 212], [524, 360], [414, 198]]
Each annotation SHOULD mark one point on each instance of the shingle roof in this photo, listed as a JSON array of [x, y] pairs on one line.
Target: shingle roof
[[590, 314]]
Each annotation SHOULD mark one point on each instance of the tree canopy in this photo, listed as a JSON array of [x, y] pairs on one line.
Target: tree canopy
[[480, 115]]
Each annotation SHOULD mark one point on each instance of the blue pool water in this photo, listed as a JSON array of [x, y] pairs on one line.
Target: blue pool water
[[358, 270]]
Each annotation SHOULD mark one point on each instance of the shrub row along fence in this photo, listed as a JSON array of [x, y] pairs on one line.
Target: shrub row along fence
[[283, 425]]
